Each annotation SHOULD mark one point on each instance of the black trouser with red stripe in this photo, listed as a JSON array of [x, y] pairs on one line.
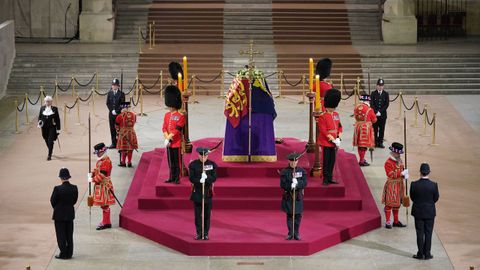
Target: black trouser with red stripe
[[174, 163]]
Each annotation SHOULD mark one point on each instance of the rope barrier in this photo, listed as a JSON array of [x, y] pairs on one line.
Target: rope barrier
[[100, 94], [85, 100], [141, 34], [270, 75], [73, 106], [395, 98], [23, 106], [209, 81], [136, 103], [289, 83], [405, 106], [65, 89], [38, 99], [87, 84]]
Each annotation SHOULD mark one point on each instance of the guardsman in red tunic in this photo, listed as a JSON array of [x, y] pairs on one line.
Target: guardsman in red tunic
[[323, 69], [173, 124], [363, 136], [394, 190], [127, 138], [103, 187], [330, 131]]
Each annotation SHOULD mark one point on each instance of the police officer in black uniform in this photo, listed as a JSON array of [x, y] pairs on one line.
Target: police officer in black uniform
[[424, 194], [115, 98], [202, 171], [293, 180], [63, 199], [379, 101], [49, 122]]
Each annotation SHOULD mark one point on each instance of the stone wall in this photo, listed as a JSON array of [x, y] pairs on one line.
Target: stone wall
[[7, 53], [41, 18]]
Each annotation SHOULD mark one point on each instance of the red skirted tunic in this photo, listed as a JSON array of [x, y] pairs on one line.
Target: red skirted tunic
[[363, 135], [127, 138], [393, 190], [173, 123], [103, 184], [329, 127]]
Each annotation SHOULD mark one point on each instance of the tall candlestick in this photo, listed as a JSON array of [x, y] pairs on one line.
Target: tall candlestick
[[317, 93], [185, 72], [310, 74], [180, 84]]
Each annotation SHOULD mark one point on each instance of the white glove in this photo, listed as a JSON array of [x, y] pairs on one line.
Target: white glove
[[89, 177], [337, 142], [294, 180], [114, 112], [204, 177], [58, 131], [406, 176], [404, 172], [166, 142], [294, 185], [38, 126], [378, 114]]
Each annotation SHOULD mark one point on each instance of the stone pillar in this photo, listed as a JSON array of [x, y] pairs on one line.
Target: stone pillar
[[473, 18], [94, 21], [399, 24]]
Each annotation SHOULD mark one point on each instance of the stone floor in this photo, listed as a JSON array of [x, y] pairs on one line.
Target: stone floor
[[31, 239]]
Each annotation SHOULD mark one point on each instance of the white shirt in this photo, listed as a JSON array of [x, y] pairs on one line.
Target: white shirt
[[48, 111]]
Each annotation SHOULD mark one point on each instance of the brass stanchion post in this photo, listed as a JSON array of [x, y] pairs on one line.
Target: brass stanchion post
[[415, 119], [140, 39], [357, 91], [161, 84], [400, 97], [136, 88], [26, 109], [93, 101], [150, 36], [56, 92], [73, 86], [16, 116], [311, 142], [279, 77], [194, 91], [434, 128], [424, 133], [65, 128], [154, 32], [341, 83], [303, 91], [96, 80], [141, 102], [78, 111], [42, 94]]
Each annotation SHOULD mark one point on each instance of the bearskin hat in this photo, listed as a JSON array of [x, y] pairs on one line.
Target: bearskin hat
[[174, 68], [323, 68], [173, 97], [332, 98]]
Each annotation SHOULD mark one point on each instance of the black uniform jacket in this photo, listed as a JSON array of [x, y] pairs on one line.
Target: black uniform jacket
[[424, 195], [63, 199], [115, 100], [195, 173], [379, 103], [51, 120], [286, 176]]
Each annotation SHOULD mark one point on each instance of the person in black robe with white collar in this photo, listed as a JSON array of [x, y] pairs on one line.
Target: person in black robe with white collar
[[49, 122]]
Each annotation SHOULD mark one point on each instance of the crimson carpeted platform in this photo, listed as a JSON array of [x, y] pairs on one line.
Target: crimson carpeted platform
[[246, 215]]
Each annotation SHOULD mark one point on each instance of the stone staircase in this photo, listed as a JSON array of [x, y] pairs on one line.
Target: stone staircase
[[32, 70], [425, 73], [245, 21], [131, 15]]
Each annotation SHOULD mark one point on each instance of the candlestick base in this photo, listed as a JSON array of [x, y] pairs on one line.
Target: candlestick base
[[316, 172], [310, 147], [188, 147]]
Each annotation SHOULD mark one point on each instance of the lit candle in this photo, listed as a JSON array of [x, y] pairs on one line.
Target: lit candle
[[310, 74], [185, 72], [317, 93], [180, 85]]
